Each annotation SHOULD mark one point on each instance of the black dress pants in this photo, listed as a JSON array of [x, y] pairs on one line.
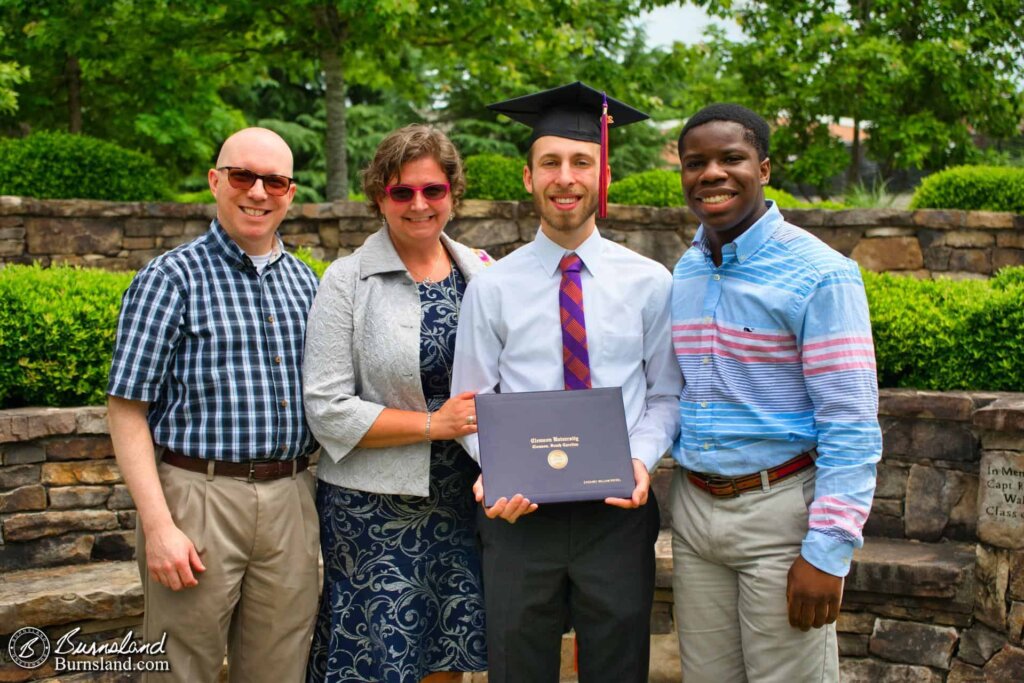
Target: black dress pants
[[588, 564]]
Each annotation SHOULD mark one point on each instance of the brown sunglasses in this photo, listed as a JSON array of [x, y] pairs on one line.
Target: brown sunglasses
[[243, 179]]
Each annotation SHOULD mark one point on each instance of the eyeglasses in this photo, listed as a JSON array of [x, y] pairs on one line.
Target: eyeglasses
[[404, 193], [243, 179]]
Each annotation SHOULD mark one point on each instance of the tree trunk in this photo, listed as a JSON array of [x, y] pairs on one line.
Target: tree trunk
[[337, 158], [73, 78], [853, 176]]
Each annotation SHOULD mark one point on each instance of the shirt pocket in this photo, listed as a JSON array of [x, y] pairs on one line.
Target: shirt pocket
[[620, 354]]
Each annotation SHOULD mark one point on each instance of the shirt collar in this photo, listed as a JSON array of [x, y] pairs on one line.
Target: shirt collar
[[550, 254], [752, 238], [233, 253], [378, 254]]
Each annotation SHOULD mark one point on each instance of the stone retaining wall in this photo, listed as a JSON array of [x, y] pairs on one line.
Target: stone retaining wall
[[62, 499], [936, 594], [956, 244]]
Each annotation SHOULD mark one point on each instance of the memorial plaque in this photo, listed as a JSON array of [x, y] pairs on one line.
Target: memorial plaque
[[1001, 499]]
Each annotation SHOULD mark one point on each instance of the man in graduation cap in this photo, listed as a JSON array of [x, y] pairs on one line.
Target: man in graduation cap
[[572, 310]]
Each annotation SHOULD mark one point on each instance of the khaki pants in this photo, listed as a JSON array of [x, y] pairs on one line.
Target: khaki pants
[[258, 596], [731, 558]]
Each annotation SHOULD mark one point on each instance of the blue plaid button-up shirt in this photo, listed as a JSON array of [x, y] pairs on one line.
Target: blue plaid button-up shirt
[[216, 349]]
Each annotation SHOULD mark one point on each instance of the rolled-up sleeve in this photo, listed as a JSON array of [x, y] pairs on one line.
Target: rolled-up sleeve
[[338, 417]]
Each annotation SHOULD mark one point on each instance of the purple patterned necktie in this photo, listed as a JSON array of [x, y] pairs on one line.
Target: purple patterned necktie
[[575, 357]]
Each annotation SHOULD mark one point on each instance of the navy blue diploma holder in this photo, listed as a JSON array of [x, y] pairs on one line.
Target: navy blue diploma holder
[[554, 446]]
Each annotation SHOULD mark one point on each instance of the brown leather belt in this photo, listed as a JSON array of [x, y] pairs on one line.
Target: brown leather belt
[[730, 487], [254, 470]]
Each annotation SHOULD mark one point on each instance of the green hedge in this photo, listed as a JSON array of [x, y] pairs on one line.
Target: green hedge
[[305, 255], [57, 329], [972, 188], [492, 176], [49, 165], [946, 335], [649, 188]]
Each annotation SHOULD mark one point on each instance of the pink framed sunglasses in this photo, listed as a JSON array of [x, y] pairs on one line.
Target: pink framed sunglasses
[[405, 193]]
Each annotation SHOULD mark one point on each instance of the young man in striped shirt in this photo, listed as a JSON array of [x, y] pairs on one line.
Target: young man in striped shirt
[[779, 429]]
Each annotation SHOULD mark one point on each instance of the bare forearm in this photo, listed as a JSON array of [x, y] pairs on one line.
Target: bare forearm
[[395, 427], [134, 450]]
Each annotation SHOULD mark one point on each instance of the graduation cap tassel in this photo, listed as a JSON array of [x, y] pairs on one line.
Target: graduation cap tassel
[[602, 193]]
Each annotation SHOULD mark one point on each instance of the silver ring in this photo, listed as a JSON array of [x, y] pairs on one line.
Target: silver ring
[[471, 419]]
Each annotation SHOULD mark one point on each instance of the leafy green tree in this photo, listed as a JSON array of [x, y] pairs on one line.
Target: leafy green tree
[[143, 73], [919, 75], [435, 54], [11, 74]]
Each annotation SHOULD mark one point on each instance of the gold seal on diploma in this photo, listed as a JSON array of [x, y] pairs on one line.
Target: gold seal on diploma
[[558, 459]]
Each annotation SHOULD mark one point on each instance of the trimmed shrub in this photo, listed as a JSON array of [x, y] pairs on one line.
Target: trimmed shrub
[[658, 187], [946, 335], [57, 329], [49, 165], [972, 188], [306, 256], [492, 176], [196, 197]]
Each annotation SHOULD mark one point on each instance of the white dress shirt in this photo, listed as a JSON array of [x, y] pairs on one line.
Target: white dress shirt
[[510, 334]]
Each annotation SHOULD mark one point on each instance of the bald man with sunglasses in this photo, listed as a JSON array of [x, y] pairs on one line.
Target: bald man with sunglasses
[[206, 416]]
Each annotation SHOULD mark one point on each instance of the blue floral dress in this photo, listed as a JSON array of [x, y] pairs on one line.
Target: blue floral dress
[[402, 581]]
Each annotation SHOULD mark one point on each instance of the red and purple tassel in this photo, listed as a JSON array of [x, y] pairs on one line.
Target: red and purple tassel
[[602, 193]]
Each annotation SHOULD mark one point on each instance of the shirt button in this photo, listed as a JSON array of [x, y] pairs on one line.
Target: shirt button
[[270, 318], [705, 360], [284, 404], [277, 359], [707, 445], [707, 320], [716, 276], [703, 404]]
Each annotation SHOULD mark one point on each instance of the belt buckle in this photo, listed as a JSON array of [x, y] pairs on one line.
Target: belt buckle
[[252, 471], [716, 481]]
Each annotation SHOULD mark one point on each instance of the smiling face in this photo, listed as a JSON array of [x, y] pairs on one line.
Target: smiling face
[[419, 221], [563, 178], [723, 179], [251, 217]]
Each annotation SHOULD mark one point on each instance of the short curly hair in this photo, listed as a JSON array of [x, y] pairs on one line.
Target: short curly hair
[[406, 144], [756, 131]]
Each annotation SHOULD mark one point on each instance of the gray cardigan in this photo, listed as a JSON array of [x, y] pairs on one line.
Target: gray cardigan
[[362, 355]]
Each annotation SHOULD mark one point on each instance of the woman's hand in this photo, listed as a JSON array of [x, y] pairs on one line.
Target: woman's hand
[[457, 417]]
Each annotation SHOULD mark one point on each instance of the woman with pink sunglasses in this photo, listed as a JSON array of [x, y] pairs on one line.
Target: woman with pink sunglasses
[[402, 598]]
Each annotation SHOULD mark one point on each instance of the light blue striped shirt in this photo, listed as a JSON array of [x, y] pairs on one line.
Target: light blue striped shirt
[[776, 353]]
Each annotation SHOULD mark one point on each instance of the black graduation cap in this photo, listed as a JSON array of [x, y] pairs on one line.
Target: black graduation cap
[[575, 111]]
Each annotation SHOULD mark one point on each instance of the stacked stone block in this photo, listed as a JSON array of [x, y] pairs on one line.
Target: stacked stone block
[[936, 592], [62, 499], [925, 243]]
